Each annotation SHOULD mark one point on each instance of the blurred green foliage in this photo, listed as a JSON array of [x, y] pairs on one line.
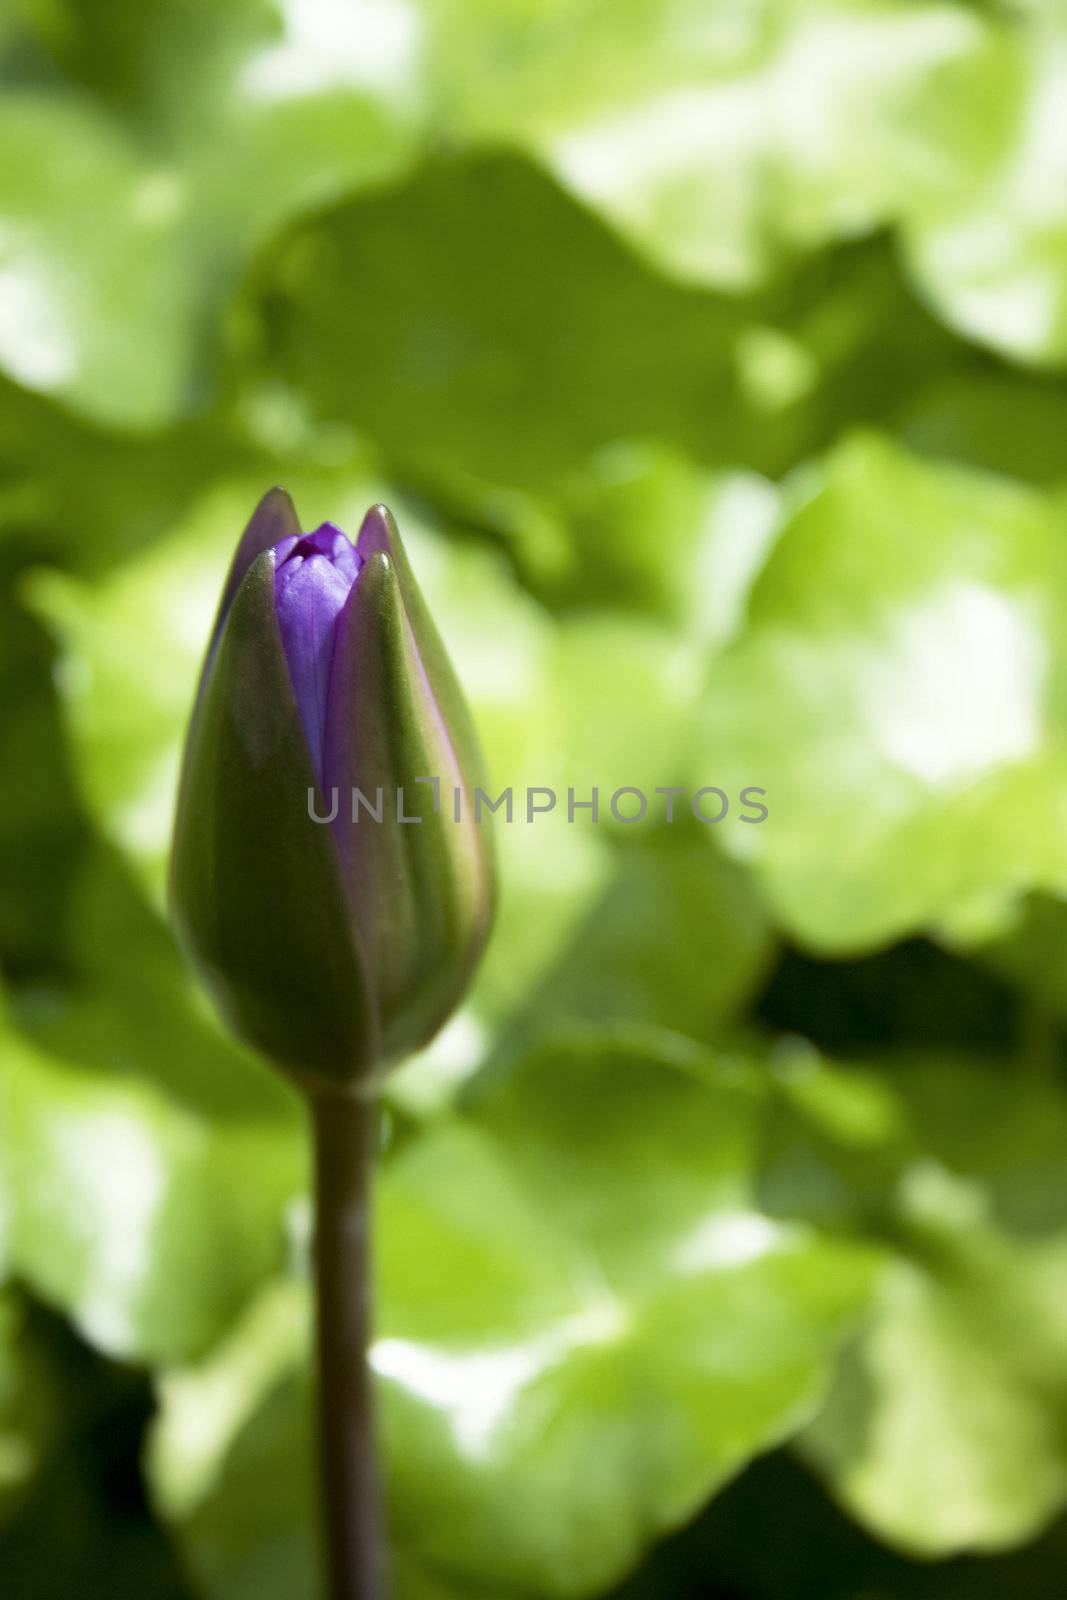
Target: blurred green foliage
[[711, 355]]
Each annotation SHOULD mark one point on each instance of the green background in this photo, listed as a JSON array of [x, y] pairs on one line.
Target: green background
[[711, 355]]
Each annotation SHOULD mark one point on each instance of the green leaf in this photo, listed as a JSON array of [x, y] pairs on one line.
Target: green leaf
[[73, 1534], [511, 333], [895, 691], [658, 522], [27, 1409], [1005, 1131], [639, 527], [148, 1167], [224, 126], [40, 829], [64, 167], [715, 139], [677, 940], [204, 1404], [946, 1426], [586, 1324], [946, 1431], [130, 652], [1005, 422], [1031, 953], [78, 496], [987, 245]]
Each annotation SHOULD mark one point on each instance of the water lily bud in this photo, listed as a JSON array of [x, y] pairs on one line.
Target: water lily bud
[[336, 945]]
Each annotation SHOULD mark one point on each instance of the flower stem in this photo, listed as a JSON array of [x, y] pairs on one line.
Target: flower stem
[[344, 1126]]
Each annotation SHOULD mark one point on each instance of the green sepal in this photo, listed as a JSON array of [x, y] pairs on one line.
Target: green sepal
[[380, 533], [421, 892], [255, 886]]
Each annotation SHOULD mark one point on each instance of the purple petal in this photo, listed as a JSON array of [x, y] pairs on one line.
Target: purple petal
[[313, 578], [285, 547], [340, 549]]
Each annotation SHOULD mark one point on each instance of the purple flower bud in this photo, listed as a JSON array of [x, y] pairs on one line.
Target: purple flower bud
[[330, 948]]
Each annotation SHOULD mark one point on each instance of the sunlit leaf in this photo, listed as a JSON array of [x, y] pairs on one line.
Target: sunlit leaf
[[896, 693], [586, 1324], [714, 137], [946, 1429], [145, 1203], [988, 247], [946, 1426], [642, 528], [96, 215]]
